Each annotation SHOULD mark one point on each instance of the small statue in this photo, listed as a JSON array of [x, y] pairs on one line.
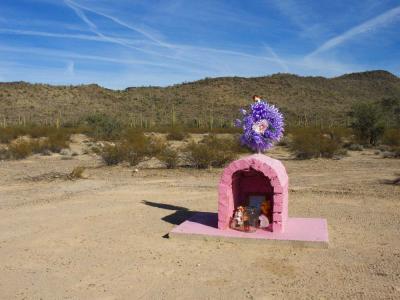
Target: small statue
[[239, 216], [263, 218], [246, 222], [256, 98]]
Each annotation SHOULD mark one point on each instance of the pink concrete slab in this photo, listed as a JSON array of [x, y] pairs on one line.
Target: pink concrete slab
[[311, 232]]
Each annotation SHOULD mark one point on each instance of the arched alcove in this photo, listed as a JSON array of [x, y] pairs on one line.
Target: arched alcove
[[252, 176]]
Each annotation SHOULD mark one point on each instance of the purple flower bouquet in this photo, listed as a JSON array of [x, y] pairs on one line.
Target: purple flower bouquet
[[262, 126]]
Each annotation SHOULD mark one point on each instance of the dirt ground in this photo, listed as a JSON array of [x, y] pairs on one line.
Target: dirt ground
[[104, 237]]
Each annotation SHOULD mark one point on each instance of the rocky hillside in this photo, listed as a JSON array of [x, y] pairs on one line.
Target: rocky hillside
[[302, 99]]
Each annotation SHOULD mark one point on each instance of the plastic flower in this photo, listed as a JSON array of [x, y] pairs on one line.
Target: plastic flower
[[262, 126]]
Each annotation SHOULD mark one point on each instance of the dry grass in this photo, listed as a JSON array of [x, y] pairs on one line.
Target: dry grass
[[77, 173]]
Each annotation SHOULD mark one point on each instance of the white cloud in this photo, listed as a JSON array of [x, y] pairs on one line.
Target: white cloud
[[52, 34], [73, 55], [386, 18], [147, 34]]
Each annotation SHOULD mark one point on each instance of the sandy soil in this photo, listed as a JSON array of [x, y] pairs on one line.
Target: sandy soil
[[104, 237]]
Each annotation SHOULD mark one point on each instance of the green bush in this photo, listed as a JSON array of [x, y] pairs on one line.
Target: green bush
[[211, 152], [368, 122], [133, 148], [102, 126], [313, 142]]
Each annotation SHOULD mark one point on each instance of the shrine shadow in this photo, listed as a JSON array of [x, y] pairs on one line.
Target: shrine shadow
[[181, 214]]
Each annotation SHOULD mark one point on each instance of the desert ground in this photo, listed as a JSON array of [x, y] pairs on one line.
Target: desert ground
[[105, 236]]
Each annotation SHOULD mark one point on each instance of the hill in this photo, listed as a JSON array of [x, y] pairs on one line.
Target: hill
[[217, 100]]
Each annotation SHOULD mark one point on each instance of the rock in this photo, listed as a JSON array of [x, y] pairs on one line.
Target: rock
[[153, 163], [46, 152], [66, 152], [388, 154]]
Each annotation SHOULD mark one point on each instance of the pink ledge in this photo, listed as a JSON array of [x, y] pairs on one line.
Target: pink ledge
[[311, 232]]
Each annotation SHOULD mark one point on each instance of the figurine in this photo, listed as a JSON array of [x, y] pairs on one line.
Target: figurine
[[263, 218], [264, 222], [256, 98], [239, 216], [246, 221]]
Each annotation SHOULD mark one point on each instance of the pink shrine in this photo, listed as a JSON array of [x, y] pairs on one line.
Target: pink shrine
[[255, 175], [243, 183]]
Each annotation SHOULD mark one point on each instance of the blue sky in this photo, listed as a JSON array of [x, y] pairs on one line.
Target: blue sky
[[121, 43]]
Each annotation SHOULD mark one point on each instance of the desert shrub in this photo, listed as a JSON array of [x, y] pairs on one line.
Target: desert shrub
[[235, 145], [76, 173], [355, 147], [102, 126], [133, 148], [284, 142], [313, 142], [95, 149], [177, 134], [170, 157], [368, 123], [133, 155], [5, 154], [199, 155], [113, 154], [39, 131], [58, 137], [22, 149], [211, 152], [9, 134], [391, 137], [146, 145], [57, 141]]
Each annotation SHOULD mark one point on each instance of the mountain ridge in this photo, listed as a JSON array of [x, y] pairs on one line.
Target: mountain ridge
[[308, 98]]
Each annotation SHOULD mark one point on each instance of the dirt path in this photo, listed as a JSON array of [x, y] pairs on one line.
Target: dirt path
[[102, 237]]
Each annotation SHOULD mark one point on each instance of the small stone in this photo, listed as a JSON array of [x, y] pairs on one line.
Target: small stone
[[66, 152]]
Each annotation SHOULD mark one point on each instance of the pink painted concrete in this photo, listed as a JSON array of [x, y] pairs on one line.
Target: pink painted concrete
[[254, 174], [296, 229]]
